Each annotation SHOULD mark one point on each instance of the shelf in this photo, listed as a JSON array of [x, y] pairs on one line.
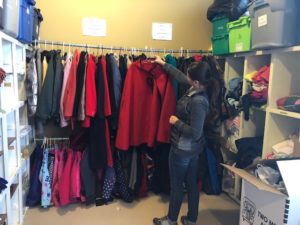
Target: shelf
[[284, 113], [265, 52], [12, 109], [14, 174], [11, 140]]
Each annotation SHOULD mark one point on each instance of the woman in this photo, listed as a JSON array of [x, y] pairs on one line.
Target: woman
[[187, 137]]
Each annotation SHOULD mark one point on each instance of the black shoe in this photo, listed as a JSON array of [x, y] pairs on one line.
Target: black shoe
[[163, 221], [184, 220]]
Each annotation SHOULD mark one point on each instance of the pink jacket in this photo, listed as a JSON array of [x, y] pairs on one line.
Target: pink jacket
[[63, 122]]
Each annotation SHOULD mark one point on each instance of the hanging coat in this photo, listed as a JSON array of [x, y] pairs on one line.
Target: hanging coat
[[63, 122], [70, 91], [44, 105], [147, 103]]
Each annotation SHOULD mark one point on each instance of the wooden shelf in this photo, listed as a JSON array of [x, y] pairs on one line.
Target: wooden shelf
[[284, 113]]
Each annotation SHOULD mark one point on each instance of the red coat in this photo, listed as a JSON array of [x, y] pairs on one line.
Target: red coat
[[90, 88], [148, 101]]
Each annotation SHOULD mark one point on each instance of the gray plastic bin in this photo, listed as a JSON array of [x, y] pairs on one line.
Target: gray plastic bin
[[274, 23], [11, 10]]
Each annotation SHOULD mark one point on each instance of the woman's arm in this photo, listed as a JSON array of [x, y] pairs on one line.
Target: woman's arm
[[199, 110], [172, 71]]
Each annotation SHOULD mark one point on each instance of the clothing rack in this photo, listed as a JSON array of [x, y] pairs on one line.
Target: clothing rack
[[50, 138], [113, 48]]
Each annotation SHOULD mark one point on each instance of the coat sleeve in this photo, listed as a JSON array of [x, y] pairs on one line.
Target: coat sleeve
[[175, 73]]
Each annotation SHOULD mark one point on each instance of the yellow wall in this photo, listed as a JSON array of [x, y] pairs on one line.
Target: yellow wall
[[128, 22]]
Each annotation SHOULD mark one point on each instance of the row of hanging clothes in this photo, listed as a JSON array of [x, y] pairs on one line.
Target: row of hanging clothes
[[100, 93]]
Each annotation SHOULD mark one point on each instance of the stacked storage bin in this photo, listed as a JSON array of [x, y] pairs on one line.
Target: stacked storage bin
[[240, 35], [10, 21], [26, 21], [220, 35], [274, 23]]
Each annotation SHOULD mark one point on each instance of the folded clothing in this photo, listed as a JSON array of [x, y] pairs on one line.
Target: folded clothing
[[2, 76], [289, 103], [248, 149], [3, 184]]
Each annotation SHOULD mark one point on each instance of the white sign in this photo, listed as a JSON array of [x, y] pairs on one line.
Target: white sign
[[262, 20], [94, 27], [162, 31]]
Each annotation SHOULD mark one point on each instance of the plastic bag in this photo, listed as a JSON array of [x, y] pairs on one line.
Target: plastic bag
[[267, 174], [233, 9]]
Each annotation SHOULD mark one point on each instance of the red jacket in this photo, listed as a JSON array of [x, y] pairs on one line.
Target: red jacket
[[147, 103], [90, 88], [70, 91]]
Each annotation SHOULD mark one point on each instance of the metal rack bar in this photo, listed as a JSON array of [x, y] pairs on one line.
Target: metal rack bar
[[102, 47], [50, 138]]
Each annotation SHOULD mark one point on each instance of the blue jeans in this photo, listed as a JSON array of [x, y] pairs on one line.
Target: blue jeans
[[183, 169]]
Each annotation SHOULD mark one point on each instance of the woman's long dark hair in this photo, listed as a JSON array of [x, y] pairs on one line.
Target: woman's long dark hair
[[208, 74]]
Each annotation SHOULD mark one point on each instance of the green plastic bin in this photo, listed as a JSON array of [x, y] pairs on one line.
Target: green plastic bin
[[240, 35], [219, 24], [220, 44]]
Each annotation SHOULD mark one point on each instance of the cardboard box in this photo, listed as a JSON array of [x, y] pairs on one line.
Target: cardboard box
[[261, 204]]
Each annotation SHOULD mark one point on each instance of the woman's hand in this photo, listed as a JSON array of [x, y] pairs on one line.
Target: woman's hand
[[173, 120], [158, 60]]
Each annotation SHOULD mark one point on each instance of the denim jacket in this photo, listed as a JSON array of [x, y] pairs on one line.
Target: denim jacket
[[191, 110]]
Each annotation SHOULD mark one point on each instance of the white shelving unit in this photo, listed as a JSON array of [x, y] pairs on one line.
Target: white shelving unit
[[274, 124], [12, 102]]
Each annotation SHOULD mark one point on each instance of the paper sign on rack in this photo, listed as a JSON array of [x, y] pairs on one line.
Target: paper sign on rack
[[94, 27], [162, 31]]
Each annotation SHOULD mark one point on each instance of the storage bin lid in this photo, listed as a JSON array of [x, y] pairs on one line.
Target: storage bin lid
[[244, 20], [214, 38], [219, 17]]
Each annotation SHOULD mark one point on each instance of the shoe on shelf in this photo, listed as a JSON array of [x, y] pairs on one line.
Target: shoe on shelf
[[184, 220], [163, 221]]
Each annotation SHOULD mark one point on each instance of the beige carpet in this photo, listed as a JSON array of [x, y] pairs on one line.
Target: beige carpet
[[214, 210]]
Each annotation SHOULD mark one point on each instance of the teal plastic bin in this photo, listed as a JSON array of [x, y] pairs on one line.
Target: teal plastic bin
[[220, 44], [219, 24]]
